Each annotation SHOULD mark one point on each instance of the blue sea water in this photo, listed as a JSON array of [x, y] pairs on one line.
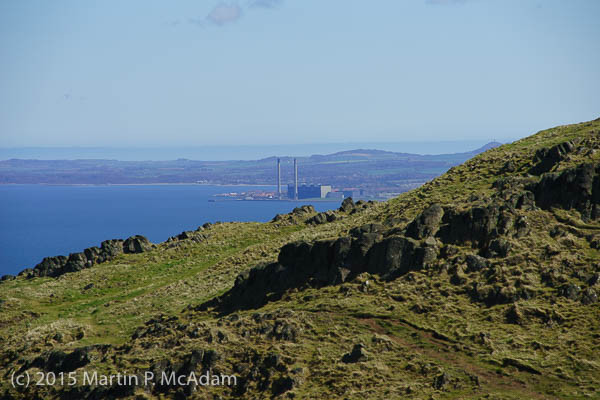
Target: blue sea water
[[40, 220]]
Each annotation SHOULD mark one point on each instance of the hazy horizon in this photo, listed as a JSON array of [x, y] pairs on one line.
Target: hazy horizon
[[228, 153]]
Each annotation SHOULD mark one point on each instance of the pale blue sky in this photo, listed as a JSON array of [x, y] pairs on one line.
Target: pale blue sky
[[178, 73]]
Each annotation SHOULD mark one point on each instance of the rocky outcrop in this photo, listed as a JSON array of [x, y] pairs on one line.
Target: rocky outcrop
[[427, 223], [358, 354], [136, 244], [322, 218], [347, 205], [572, 189], [108, 250], [326, 262], [545, 159], [477, 226]]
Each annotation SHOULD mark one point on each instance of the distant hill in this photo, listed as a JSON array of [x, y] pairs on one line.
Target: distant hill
[[373, 170]]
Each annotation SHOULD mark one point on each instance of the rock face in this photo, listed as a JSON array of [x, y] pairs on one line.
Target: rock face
[[358, 354], [109, 249], [427, 224], [546, 159], [136, 244], [347, 205], [322, 218], [575, 188], [326, 262]]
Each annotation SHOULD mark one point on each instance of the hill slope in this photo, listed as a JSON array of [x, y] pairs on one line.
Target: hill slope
[[483, 282]]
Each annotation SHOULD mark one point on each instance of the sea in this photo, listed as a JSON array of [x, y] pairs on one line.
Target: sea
[[37, 221]]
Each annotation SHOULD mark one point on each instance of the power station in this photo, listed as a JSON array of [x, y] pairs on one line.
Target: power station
[[297, 192]]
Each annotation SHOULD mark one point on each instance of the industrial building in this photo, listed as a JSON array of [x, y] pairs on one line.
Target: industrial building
[[309, 191], [295, 192]]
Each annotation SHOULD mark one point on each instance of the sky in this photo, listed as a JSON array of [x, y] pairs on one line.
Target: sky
[[284, 72]]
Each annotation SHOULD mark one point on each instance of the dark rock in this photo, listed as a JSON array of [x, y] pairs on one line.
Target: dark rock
[[7, 277], [570, 291], [440, 381], [347, 205], [545, 159], [594, 279], [427, 223], [477, 225], [331, 216], [498, 248], [59, 361], [514, 315], [575, 188], [136, 244], [282, 385], [318, 219], [92, 253], [184, 235], [394, 257], [27, 273], [367, 228], [111, 248], [50, 266], [88, 286], [525, 201], [521, 366], [76, 262], [210, 359], [509, 166], [476, 263], [278, 218], [589, 296], [594, 242], [358, 354], [326, 262], [458, 278], [303, 210]]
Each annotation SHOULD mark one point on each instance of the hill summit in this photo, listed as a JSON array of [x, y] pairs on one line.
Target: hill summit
[[483, 283]]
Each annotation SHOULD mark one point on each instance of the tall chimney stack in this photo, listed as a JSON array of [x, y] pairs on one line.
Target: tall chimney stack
[[278, 178], [295, 179]]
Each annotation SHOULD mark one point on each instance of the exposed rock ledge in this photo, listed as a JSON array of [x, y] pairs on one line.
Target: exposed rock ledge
[[109, 249]]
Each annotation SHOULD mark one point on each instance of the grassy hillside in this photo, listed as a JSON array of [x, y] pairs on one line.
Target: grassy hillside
[[507, 310]]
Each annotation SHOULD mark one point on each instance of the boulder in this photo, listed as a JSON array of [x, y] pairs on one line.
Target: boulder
[[570, 291], [318, 219], [347, 205], [477, 225], [545, 159], [136, 244], [427, 223], [7, 277], [575, 188], [589, 296], [476, 263], [59, 361], [498, 248], [111, 248], [76, 262], [395, 256], [358, 354], [303, 210], [440, 381], [50, 266], [331, 216], [367, 228]]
